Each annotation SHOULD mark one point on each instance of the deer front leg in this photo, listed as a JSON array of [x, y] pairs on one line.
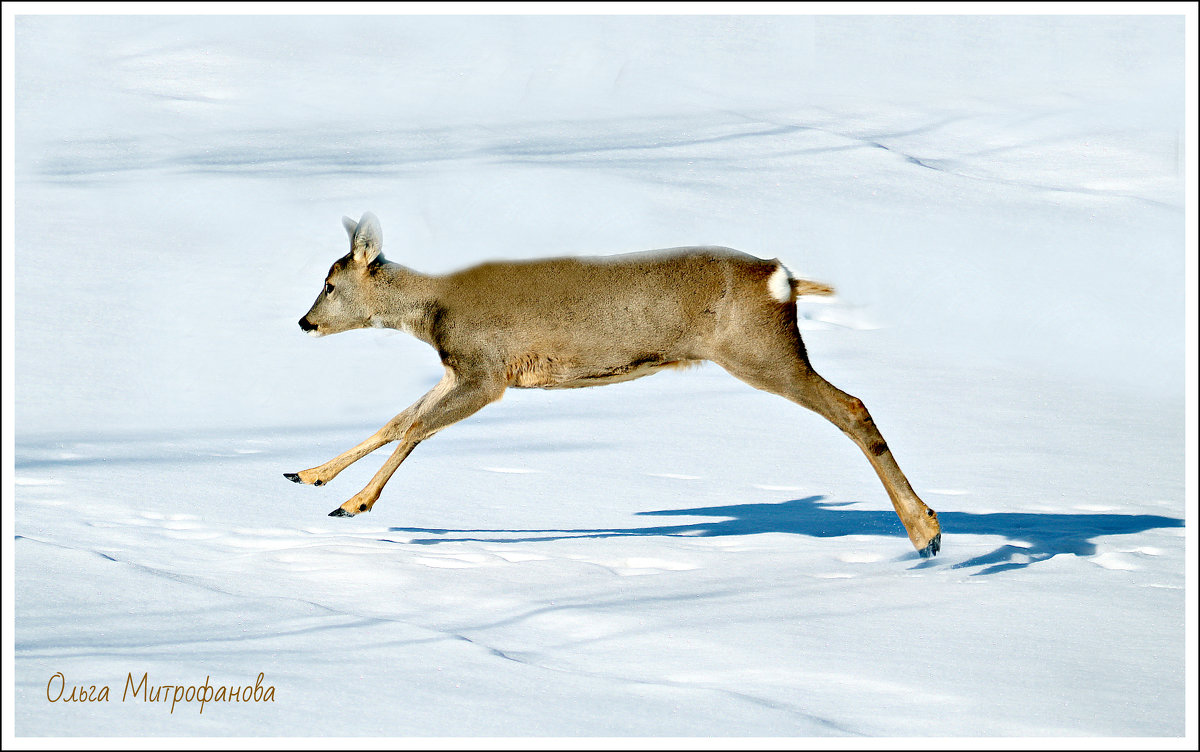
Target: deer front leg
[[366, 498], [393, 430], [453, 399]]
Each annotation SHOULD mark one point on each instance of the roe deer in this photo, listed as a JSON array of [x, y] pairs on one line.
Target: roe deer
[[575, 322]]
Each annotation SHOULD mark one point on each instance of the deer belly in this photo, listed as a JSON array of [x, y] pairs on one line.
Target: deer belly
[[548, 372]]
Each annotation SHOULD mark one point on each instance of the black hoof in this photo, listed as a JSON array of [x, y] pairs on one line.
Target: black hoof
[[339, 512], [293, 477], [932, 549]]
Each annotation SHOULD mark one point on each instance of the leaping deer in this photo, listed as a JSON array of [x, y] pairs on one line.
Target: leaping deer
[[573, 322]]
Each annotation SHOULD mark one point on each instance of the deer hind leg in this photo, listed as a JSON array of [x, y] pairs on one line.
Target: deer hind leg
[[453, 399], [785, 370]]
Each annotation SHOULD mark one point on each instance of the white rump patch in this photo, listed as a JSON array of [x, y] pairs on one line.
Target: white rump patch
[[780, 284]]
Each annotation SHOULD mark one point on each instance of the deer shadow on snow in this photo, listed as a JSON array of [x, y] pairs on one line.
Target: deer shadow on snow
[[1041, 536]]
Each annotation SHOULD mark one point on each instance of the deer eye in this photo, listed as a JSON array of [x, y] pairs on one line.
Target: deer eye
[[328, 288]]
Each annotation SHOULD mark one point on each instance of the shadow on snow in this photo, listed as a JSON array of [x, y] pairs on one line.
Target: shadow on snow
[[1042, 535]]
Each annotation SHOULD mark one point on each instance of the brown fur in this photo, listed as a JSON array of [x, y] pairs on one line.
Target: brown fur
[[576, 322]]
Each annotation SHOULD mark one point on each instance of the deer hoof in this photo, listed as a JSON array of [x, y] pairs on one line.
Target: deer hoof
[[295, 478], [932, 548], [339, 512]]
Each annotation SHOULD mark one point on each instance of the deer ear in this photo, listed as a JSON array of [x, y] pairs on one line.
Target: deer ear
[[350, 226], [366, 241]]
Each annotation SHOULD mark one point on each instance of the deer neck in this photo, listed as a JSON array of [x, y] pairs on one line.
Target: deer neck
[[407, 301]]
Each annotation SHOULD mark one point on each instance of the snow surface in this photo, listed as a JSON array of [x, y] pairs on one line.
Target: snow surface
[[999, 202]]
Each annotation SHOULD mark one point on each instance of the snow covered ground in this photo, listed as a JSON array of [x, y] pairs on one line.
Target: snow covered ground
[[999, 202]]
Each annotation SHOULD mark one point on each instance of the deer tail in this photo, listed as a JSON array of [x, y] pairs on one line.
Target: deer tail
[[809, 287]]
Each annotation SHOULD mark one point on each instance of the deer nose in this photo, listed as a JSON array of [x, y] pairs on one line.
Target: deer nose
[[307, 325]]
